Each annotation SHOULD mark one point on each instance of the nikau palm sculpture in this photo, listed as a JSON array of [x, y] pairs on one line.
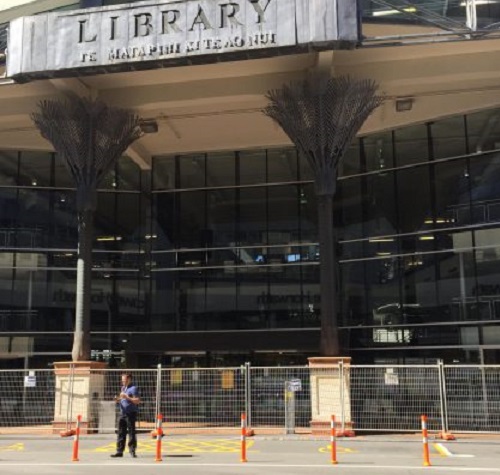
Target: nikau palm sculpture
[[89, 136], [321, 117]]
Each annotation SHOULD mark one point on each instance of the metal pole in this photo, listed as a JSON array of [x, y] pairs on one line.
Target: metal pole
[[471, 9], [444, 425], [248, 394], [342, 395], [69, 408], [463, 286], [158, 389], [484, 387]]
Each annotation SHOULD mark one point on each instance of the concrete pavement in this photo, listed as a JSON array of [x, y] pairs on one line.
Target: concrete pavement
[[374, 455]]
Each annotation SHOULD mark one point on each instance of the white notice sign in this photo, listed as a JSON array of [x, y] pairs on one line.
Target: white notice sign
[[30, 381]]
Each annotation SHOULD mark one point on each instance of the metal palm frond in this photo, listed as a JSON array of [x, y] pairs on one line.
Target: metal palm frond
[[88, 135], [322, 118]]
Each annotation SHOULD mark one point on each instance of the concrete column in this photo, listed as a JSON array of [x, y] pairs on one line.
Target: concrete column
[[79, 395], [330, 394]]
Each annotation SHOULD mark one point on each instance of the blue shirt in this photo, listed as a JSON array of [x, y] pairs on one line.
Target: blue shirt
[[127, 407]]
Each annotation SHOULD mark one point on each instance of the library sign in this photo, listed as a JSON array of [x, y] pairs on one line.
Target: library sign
[[160, 33]]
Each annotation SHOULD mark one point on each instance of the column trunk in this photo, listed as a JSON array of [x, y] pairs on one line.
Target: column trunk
[[329, 345], [81, 341]]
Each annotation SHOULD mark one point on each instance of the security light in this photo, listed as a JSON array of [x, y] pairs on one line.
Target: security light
[[404, 104], [149, 126]]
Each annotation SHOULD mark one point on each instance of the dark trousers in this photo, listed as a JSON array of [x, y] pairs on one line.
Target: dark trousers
[[126, 424]]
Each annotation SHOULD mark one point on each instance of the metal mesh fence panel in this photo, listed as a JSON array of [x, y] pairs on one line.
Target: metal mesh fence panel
[[473, 398], [393, 398], [27, 399], [92, 394], [202, 398], [280, 398]]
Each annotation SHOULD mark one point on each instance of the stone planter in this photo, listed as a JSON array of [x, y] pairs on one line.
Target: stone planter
[[79, 387], [330, 395]]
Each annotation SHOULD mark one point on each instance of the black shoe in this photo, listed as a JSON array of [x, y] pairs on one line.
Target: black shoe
[[118, 454], [132, 454]]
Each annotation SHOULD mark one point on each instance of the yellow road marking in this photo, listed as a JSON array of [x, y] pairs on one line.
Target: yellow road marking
[[340, 450], [441, 450], [13, 448], [185, 446]]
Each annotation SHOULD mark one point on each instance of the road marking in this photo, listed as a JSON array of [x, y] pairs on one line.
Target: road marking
[[368, 467], [340, 450], [190, 446], [13, 448], [442, 450]]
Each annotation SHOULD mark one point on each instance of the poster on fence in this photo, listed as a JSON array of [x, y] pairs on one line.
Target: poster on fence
[[30, 381], [391, 378]]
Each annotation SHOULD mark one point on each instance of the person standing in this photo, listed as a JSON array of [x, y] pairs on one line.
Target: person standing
[[128, 401]]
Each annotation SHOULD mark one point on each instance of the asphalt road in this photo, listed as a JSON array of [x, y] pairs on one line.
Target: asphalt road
[[374, 455]]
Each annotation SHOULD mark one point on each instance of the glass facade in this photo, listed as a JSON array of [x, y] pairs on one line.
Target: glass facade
[[429, 12], [225, 242]]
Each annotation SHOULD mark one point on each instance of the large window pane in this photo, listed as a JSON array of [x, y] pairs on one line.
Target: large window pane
[[221, 219], [9, 212], [283, 214], [253, 216], [221, 169], [370, 289], [65, 220], [164, 173], [351, 164], [252, 167], [380, 209], [414, 198], [221, 311], [192, 171], [311, 298], [105, 232], [483, 130], [411, 145], [252, 296], [8, 168], [36, 169], [193, 230], [485, 192], [34, 218], [456, 285], [192, 300], [448, 137], [129, 225], [487, 265], [451, 182], [164, 221], [378, 152], [348, 207], [285, 304], [129, 175], [308, 213], [281, 165]]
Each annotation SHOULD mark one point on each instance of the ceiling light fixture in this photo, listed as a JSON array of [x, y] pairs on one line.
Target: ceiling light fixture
[[148, 126], [404, 104]]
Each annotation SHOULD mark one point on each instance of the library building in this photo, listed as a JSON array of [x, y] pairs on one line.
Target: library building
[[206, 245]]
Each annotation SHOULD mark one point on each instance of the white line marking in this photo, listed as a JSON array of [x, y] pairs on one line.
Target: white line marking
[[251, 465]]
